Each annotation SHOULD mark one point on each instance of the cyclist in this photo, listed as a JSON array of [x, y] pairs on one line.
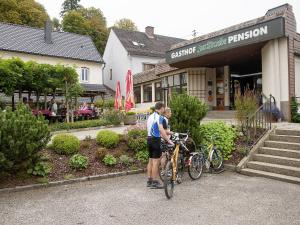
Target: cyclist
[[166, 116], [155, 133]]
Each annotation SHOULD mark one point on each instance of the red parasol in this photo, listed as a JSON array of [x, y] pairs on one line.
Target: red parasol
[[129, 99], [118, 97]]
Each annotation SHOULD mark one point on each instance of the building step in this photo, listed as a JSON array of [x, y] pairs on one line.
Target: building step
[[287, 132], [284, 138], [259, 173], [284, 145], [280, 152], [274, 168], [277, 160]]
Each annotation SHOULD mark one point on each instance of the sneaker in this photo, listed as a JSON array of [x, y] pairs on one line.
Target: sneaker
[[149, 182], [156, 185]]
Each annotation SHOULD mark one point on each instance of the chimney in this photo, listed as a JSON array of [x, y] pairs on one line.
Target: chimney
[[48, 32], [149, 31]]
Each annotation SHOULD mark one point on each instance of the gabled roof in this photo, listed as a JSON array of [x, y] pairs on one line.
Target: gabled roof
[[30, 40], [145, 46], [152, 74]]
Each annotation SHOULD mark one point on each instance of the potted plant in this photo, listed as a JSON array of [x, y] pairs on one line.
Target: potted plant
[[130, 118]]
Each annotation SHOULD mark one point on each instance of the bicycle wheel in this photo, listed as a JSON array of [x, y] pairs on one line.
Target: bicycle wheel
[[168, 180], [180, 169], [195, 167], [216, 159]]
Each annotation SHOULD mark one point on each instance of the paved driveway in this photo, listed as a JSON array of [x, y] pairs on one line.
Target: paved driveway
[[222, 199]]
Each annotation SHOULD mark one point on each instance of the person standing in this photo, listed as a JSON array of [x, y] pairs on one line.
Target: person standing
[[155, 132]]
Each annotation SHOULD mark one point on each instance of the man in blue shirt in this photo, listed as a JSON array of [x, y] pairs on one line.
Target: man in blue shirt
[[155, 133]]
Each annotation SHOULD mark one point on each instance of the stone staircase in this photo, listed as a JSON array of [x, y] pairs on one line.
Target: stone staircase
[[277, 158]]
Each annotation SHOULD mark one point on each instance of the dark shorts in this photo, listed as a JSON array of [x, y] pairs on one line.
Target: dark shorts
[[154, 147]]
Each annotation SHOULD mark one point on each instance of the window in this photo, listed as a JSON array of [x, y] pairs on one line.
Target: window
[[158, 91], [147, 93], [176, 80], [170, 81], [137, 94], [85, 72], [148, 66], [110, 74]]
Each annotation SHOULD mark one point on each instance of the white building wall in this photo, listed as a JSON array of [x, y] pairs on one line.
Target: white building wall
[[275, 73], [297, 76], [136, 63], [95, 69]]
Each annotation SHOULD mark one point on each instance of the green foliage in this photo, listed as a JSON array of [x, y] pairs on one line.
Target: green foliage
[[126, 24], [78, 124], [25, 12], [69, 5], [125, 160], [294, 111], [113, 117], [223, 134], [245, 105], [130, 113], [101, 153], [40, 169], [243, 150], [137, 139], [22, 136], [187, 112], [108, 139], [110, 160], [56, 25], [78, 162], [65, 144], [142, 156], [87, 21]]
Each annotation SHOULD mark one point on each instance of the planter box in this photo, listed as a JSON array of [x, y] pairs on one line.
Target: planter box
[[130, 120]]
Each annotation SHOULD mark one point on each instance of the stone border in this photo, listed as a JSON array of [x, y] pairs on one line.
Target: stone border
[[71, 181], [84, 129], [230, 167], [243, 162]]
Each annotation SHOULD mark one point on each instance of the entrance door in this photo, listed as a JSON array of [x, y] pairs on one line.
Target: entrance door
[[220, 92]]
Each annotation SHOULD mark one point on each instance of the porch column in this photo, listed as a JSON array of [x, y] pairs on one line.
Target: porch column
[[142, 93], [153, 92]]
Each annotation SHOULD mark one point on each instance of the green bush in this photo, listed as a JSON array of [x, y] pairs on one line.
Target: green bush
[[113, 117], [294, 111], [187, 112], [110, 160], [108, 139], [125, 160], [101, 153], [78, 162], [40, 169], [130, 113], [22, 136], [78, 124], [137, 139], [65, 144], [224, 135], [142, 156]]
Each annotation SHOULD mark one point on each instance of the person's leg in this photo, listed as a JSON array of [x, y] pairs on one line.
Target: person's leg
[[155, 164], [150, 164], [155, 169]]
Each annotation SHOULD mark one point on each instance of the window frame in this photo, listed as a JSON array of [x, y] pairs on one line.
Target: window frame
[[145, 85], [85, 75], [140, 94], [158, 89]]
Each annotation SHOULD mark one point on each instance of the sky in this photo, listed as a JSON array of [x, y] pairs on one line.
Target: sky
[[178, 18]]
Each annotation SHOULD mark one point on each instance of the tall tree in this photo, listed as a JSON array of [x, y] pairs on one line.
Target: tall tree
[[26, 12], [126, 24], [56, 26], [69, 5], [87, 21]]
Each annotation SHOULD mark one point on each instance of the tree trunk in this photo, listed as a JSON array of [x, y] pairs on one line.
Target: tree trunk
[[20, 95], [72, 111], [37, 100], [29, 95], [45, 100], [67, 102], [13, 101]]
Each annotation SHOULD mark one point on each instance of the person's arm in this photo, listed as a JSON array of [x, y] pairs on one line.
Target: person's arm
[[163, 132]]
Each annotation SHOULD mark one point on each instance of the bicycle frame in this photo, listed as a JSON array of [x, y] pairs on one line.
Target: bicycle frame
[[174, 160]]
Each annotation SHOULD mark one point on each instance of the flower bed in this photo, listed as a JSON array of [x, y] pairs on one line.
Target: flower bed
[[78, 125]]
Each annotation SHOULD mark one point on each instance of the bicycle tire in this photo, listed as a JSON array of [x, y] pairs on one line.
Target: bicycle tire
[[195, 162], [216, 159], [168, 180]]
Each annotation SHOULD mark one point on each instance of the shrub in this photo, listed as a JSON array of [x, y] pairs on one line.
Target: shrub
[[22, 136], [125, 160], [107, 104], [118, 153], [101, 153], [187, 112], [85, 144], [110, 160], [137, 139], [78, 162], [78, 124], [40, 169], [224, 134], [107, 138], [295, 111], [130, 113], [142, 156], [113, 117], [65, 144], [245, 105]]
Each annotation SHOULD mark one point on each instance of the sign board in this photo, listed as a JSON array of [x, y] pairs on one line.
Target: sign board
[[257, 33]]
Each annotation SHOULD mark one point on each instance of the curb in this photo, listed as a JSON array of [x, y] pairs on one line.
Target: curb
[[84, 129], [71, 181], [230, 167]]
